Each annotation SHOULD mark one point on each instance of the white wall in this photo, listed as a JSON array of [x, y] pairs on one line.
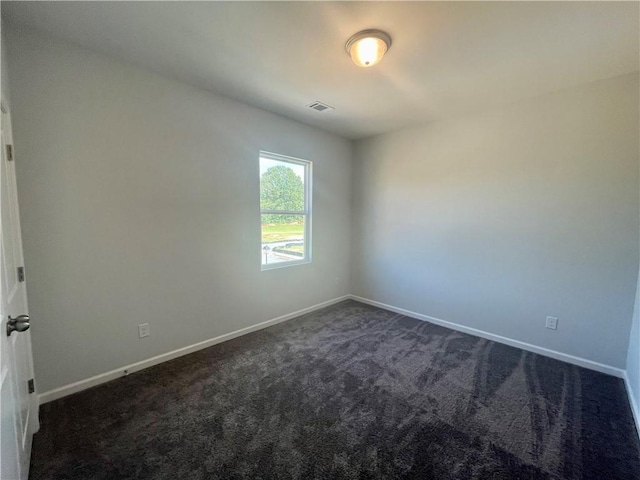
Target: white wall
[[140, 203], [496, 220]]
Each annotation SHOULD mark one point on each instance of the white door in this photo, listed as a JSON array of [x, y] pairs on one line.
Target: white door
[[18, 407]]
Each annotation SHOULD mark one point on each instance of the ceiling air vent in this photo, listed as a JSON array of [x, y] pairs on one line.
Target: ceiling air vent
[[319, 106]]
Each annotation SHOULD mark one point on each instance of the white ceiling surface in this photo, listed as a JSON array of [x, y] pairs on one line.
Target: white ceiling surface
[[446, 57]]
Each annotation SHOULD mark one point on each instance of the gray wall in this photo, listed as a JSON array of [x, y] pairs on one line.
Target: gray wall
[[5, 70], [633, 358], [496, 220], [140, 203], [139, 200]]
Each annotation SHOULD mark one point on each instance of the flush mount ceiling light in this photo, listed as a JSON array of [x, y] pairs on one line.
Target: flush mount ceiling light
[[367, 47]]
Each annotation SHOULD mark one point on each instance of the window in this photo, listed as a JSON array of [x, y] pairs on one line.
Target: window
[[285, 210]]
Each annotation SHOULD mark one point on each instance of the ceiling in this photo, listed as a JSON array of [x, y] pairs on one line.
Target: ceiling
[[447, 57]]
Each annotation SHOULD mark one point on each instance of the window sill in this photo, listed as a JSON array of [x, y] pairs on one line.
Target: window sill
[[274, 266]]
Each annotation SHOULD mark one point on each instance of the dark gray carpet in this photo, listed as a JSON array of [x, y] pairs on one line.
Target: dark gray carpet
[[347, 392]]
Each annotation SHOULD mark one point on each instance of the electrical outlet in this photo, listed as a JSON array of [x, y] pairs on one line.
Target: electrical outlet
[[552, 323], [144, 330]]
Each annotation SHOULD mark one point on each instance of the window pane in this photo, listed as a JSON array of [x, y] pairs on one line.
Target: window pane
[[282, 238], [281, 185]]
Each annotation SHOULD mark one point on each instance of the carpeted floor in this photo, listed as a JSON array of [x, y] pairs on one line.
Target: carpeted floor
[[347, 392]]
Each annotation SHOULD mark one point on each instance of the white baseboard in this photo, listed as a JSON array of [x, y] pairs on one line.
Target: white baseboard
[[135, 367], [635, 406], [582, 362]]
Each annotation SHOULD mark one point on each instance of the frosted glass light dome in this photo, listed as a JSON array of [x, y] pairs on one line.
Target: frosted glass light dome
[[367, 47]]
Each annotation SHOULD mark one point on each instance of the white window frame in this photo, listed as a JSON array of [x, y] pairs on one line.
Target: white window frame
[[306, 212]]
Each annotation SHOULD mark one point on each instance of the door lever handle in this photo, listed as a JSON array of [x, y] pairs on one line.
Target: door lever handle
[[18, 324]]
